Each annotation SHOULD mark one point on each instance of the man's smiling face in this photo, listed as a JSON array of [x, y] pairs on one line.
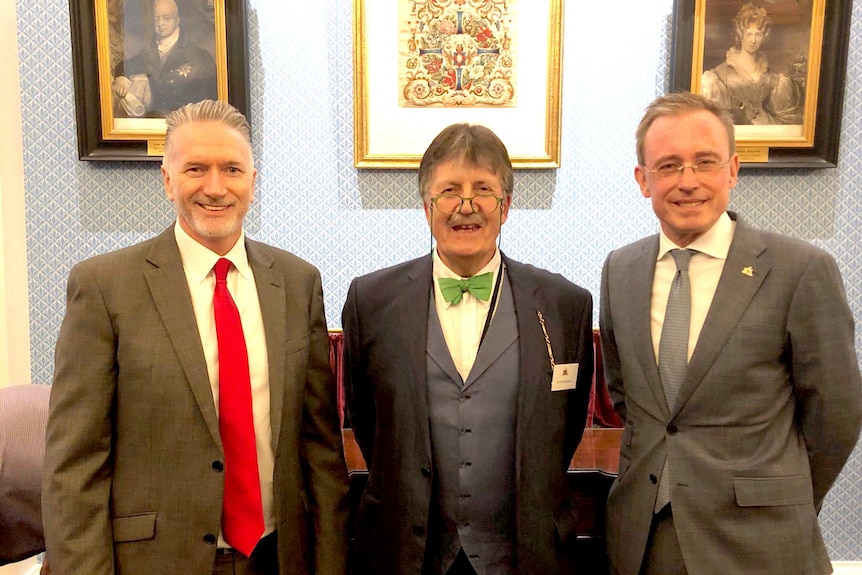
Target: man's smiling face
[[209, 175], [466, 240], [687, 203]]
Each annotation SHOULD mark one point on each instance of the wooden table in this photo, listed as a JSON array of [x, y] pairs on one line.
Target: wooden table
[[599, 451], [591, 473]]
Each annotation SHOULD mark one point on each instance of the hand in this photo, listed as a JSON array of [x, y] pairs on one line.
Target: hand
[[121, 86]]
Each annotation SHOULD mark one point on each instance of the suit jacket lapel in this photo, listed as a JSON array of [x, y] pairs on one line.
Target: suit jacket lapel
[[535, 366], [271, 292], [169, 288], [732, 296], [640, 281], [496, 340], [412, 331], [437, 349]]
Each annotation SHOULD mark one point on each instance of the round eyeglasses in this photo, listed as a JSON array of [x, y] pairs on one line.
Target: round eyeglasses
[[674, 170], [451, 204]]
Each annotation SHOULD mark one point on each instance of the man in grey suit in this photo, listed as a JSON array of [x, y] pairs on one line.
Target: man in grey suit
[[140, 464], [467, 381], [727, 454]]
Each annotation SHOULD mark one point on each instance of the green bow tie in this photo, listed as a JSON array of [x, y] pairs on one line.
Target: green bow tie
[[479, 286]]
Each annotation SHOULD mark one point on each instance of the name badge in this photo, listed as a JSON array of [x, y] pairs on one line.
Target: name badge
[[565, 377]]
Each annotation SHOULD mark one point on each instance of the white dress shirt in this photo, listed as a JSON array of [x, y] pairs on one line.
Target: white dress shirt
[[463, 322], [704, 271], [165, 45], [198, 263]]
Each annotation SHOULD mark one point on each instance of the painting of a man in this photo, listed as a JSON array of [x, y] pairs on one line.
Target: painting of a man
[[169, 72]]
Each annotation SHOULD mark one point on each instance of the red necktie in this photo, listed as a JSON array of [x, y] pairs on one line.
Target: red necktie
[[242, 514]]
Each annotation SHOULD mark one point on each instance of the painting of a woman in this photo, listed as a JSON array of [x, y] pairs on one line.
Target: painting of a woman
[[745, 85]]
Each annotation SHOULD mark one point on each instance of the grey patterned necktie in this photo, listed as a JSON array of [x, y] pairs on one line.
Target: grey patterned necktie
[[673, 345], [673, 349]]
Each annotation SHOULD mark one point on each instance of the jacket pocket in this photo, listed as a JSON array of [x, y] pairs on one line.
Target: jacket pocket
[[628, 432], [135, 527], [295, 345], [625, 459], [773, 491], [623, 466]]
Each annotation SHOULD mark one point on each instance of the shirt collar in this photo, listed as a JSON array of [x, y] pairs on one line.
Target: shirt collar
[[166, 44], [441, 270], [715, 242], [199, 260]]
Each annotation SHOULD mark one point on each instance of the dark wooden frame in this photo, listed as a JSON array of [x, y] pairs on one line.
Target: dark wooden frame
[[91, 144], [830, 99]]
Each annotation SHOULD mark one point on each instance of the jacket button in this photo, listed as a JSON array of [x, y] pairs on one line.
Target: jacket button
[[218, 466], [672, 429], [426, 472], [210, 539], [418, 530], [653, 479]]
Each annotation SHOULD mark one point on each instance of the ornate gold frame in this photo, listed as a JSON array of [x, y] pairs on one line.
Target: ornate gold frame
[[368, 153], [816, 146]]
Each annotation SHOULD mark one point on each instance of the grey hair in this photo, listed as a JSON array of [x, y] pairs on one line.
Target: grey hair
[[207, 111]]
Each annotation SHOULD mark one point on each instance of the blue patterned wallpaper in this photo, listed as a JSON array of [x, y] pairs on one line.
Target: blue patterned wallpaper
[[311, 200]]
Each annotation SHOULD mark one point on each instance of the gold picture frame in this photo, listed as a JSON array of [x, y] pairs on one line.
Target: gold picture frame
[[389, 134], [782, 80]]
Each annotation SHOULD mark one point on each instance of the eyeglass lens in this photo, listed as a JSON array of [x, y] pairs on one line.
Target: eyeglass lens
[[450, 204]]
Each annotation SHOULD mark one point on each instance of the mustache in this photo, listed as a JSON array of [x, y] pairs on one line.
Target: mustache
[[459, 219]]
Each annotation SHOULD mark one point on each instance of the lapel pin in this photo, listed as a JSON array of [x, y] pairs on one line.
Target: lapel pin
[[748, 270]]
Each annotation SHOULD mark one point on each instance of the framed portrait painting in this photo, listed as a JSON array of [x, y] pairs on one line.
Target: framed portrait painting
[[136, 60], [420, 66], [777, 66]]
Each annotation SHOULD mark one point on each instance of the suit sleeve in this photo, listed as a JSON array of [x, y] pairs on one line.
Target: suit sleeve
[[824, 371], [610, 354], [325, 469], [78, 472], [357, 387], [577, 416]]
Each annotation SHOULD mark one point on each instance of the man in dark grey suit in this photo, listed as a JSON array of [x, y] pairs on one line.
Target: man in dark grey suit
[[140, 467], [728, 453], [467, 381]]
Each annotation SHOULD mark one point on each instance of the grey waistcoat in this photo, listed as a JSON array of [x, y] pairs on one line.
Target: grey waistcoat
[[473, 445]]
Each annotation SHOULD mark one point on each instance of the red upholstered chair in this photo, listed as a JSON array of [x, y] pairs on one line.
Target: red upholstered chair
[[601, 412], [336, 362]]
